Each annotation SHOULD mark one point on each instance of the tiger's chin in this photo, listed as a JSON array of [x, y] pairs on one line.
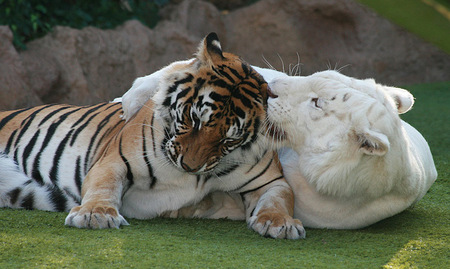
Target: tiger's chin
[[205, 169]]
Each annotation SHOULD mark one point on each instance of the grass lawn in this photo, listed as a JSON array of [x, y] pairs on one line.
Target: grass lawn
[[417, 237]]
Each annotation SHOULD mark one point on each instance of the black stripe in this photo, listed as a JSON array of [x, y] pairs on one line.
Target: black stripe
[[236, 73], [258, 159], [245, 101], [10, 139], [239, 112], [147, 162], [246, 69], [78, 179], [28, 201], [27, 122], [257, 176], [255, 189], [107, 133], [51, 114], [130, 176], [48, 136], [254, 137], [225, 74], [227, 171], [183, 93], [27, 151], [199, 177], [222, 84], [164, 142], [6, 119], [255, 96], [57, 198], [14, 195], [36, 174], [59, 151], [218, 97], [87, 113], [175, 85], [75, 198], [16, 153], [100, 126], [153, 134]]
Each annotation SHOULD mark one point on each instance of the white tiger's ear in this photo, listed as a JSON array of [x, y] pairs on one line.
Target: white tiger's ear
[[210, 50], [403, 99], [373, 143]]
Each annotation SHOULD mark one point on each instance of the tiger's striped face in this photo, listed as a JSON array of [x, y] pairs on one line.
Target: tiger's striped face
[[211, 106]]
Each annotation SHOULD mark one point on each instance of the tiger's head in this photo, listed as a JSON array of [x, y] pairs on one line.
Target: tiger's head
[[341, 128], [211, 106]]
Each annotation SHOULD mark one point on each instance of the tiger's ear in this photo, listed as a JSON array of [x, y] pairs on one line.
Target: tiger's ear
[[403, 99], [373, 143], [210, 50]]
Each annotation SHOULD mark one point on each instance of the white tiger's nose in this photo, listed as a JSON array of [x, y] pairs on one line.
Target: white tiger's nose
[[270, 93]]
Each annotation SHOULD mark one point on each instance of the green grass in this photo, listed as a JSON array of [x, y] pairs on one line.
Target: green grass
[[425, 18], [416, 238]]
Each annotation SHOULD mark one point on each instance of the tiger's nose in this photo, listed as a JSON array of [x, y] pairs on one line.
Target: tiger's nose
[[188, 169]]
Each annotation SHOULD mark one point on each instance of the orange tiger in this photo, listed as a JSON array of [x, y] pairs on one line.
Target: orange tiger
[[202, 132]]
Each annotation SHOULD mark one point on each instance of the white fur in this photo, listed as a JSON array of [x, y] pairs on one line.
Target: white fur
[[352, 163]]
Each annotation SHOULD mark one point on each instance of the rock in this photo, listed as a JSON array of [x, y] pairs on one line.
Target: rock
[[334, 34], [321, 34], [14, 91], [92, 65]]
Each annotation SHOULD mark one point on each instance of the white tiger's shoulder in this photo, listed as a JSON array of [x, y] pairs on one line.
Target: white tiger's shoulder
[[269, 74], [144, 88]]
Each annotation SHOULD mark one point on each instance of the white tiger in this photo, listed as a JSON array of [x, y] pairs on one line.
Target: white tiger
[[351, 160]]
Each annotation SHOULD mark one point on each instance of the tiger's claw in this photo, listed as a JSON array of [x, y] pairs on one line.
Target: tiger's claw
[[277, 225], [97, 217]]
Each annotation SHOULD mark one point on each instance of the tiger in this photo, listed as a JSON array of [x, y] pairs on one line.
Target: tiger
[[349, 158], [202, 132]]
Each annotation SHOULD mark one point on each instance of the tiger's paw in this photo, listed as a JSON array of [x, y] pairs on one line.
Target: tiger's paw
[[277, 225], [95, 217]]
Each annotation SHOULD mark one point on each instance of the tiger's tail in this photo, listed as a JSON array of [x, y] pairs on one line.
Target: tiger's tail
[[17, 190]]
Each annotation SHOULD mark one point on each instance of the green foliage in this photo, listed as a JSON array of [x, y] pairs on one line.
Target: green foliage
[[29, 19], [416, 238]]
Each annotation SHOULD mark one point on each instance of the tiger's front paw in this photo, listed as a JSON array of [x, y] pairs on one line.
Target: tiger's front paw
[[95, 217], [277, 225]]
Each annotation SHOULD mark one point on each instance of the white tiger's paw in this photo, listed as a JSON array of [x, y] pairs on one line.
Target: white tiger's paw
[[96, 217], [277, 225]]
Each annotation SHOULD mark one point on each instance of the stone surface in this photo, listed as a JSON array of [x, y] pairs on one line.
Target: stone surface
[[334, 34], [92, 65], [14, 91]]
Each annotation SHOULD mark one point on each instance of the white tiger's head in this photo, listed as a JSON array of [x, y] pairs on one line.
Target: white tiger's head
[[339, 126]]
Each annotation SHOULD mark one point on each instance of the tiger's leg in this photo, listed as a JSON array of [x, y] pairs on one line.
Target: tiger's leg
[[270, 210], [101, 196]]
